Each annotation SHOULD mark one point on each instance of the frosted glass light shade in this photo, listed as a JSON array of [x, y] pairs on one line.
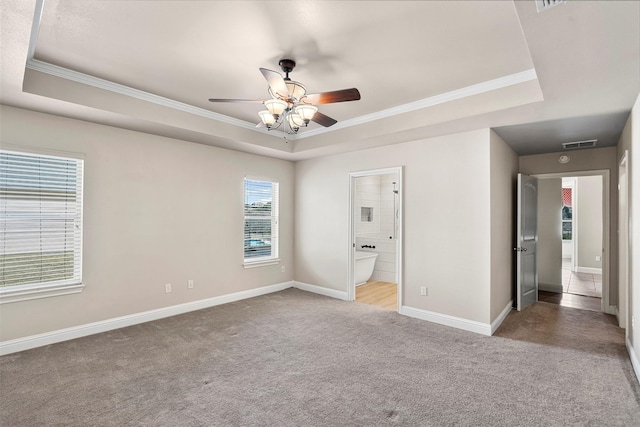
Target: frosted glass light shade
[[296, 90], [306, 112], [267, 118], [275, 106], [295, 121]]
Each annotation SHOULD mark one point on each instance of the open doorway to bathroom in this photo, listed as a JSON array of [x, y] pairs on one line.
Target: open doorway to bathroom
[[375, 238]]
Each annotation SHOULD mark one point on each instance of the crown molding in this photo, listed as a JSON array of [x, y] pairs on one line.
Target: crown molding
[[72, 75], [465, 92]]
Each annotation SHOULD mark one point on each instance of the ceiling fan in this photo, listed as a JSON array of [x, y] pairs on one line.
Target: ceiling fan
[[290, 107]]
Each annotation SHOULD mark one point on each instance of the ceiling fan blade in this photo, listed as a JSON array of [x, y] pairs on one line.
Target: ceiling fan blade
[[323, 119], [276, 82], [330, 97], [236, 100]]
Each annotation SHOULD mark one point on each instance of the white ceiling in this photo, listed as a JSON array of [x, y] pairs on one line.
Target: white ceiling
[[423, 68]]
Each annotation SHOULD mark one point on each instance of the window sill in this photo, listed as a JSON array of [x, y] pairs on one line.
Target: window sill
[[9, 295], [263, 263]]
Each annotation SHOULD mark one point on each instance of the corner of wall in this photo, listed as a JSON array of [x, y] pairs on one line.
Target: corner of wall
[[503, 170]]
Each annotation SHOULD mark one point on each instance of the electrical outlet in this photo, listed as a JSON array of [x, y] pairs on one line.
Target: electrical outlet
[[282, 268], [598, 258], [190, 284], [167, 287], [423, 291]]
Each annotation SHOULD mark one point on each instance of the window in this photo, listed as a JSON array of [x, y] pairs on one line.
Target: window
[[567, 214], [40, 225], [260, 222]]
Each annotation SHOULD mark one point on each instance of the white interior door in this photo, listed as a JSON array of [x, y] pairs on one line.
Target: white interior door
[[526, 242]]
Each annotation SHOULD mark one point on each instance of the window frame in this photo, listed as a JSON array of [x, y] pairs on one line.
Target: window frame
[[29, 291], [562, 219], [273, 258]]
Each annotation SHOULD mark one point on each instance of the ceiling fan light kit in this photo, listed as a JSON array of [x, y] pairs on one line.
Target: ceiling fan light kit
[[290, 108]]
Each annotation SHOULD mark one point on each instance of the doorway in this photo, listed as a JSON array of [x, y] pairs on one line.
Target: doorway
[[375, 230], [574, 240], [582, 242]]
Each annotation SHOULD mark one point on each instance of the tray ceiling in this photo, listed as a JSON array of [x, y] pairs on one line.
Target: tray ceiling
[[421, 67]]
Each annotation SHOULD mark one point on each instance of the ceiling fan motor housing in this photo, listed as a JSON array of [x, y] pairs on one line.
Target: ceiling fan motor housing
[[287, 65]]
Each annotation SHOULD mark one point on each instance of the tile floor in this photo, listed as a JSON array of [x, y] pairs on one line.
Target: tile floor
[[586, 284], [580, 290]]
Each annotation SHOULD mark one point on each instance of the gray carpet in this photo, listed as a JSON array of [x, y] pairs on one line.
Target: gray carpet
[[297, 359]]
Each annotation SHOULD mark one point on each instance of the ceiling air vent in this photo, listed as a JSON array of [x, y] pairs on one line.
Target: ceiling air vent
[[548, 4], [579, 144]]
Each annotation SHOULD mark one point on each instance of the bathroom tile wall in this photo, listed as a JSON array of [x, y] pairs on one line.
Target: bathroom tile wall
[[368, 196], [387, 205], [377, 192]]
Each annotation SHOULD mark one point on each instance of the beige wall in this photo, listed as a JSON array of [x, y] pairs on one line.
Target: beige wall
[[503, 173], [156, 211], [586, 160], [446, 220], [550, 234], [634, 289], [630, 140], [589, 220]]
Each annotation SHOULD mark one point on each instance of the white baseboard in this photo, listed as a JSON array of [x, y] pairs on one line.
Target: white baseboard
[[634, 359], [446, 320], [33, 341], [503, 315], [550, 288], [589, 270], [442, 319], [321, 290]]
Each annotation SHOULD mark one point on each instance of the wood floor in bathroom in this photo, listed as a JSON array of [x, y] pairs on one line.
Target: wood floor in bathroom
[[380, 294]]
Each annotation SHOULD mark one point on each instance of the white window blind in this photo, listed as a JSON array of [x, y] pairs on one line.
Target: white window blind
[[40, 223], [260, 221]]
